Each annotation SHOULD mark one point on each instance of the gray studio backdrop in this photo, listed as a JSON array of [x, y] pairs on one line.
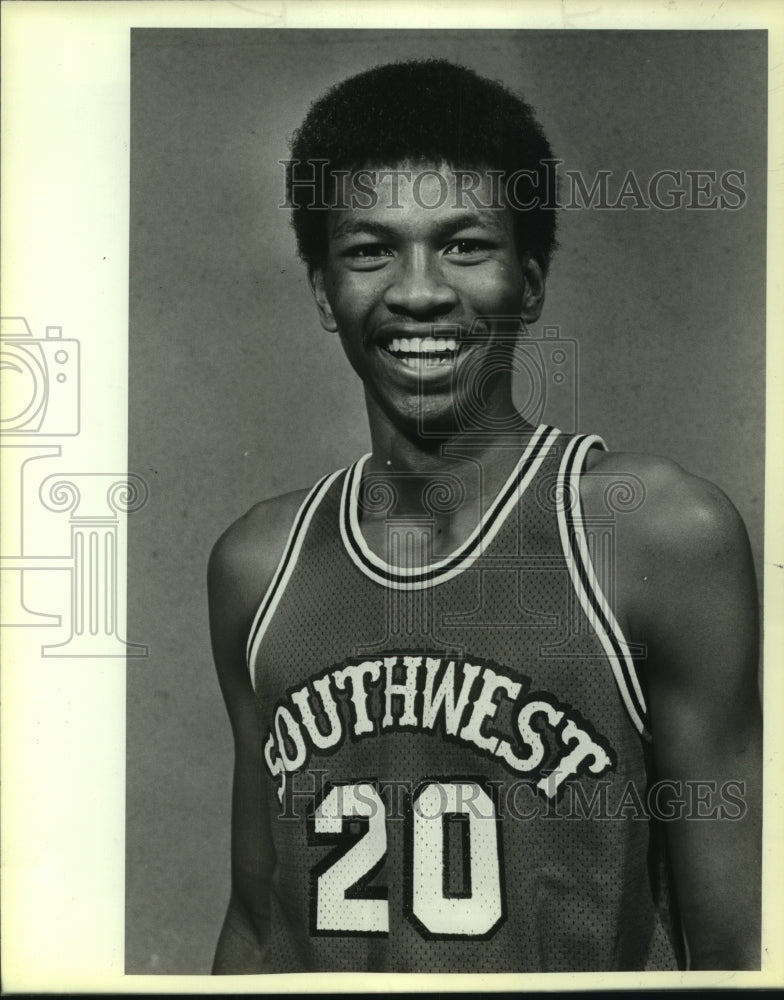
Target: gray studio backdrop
[[236, 394]]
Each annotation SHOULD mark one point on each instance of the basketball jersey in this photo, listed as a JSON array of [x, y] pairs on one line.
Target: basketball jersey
[[455, 750]]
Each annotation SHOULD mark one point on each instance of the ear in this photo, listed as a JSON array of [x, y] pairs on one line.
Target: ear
[[533, 294], [318, 287]]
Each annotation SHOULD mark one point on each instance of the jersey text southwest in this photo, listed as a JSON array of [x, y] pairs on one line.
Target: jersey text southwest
[[412, 692]]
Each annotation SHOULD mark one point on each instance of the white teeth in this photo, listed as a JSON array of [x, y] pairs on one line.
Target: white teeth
[[419, 345]]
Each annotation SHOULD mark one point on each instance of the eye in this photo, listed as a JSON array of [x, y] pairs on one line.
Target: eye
[[367, 251], [467, 247]]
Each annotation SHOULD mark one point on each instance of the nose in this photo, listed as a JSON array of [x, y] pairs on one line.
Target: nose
[[419, 287]]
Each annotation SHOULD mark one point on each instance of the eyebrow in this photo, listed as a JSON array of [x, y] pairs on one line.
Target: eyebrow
[[380, 230]]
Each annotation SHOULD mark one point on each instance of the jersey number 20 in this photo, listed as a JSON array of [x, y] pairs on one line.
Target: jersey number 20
[[343, 903]]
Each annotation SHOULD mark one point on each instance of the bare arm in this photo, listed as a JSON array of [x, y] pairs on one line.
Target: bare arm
[[241, 566], [687, 589]]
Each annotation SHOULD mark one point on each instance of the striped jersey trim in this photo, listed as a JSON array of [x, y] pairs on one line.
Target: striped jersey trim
[[285, 567], [418, 577], [586, 583]]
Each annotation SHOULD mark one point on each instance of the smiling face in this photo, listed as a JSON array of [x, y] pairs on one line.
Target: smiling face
[[427, 300]]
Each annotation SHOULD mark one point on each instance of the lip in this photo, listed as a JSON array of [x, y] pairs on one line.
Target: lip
[[419, 368], [416, 372], [424, 331], [416, 367]]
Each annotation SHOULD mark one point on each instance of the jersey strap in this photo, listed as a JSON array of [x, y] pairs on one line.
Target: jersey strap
[[285, 567], [419, 577], [586, 584]]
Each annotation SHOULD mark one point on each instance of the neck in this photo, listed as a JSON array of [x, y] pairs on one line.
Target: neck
[[479, 459]]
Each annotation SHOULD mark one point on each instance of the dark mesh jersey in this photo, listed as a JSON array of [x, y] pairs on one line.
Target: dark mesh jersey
[[455, 750]]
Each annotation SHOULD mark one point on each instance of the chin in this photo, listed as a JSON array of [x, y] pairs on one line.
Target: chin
[[423, 419]]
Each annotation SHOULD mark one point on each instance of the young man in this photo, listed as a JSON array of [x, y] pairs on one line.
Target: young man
[[452, 753]]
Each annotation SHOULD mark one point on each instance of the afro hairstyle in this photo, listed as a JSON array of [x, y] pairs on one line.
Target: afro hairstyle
[[429, 112]]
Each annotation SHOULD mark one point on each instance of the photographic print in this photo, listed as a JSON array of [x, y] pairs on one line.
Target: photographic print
[[386, 458], [454, 767]]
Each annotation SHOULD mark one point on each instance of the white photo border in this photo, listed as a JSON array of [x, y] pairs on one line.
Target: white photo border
[[66, 92]]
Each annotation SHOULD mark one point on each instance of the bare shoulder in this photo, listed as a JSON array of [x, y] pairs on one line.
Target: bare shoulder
[[671, 508], [681, 546], [241, 566], [247, 553]]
